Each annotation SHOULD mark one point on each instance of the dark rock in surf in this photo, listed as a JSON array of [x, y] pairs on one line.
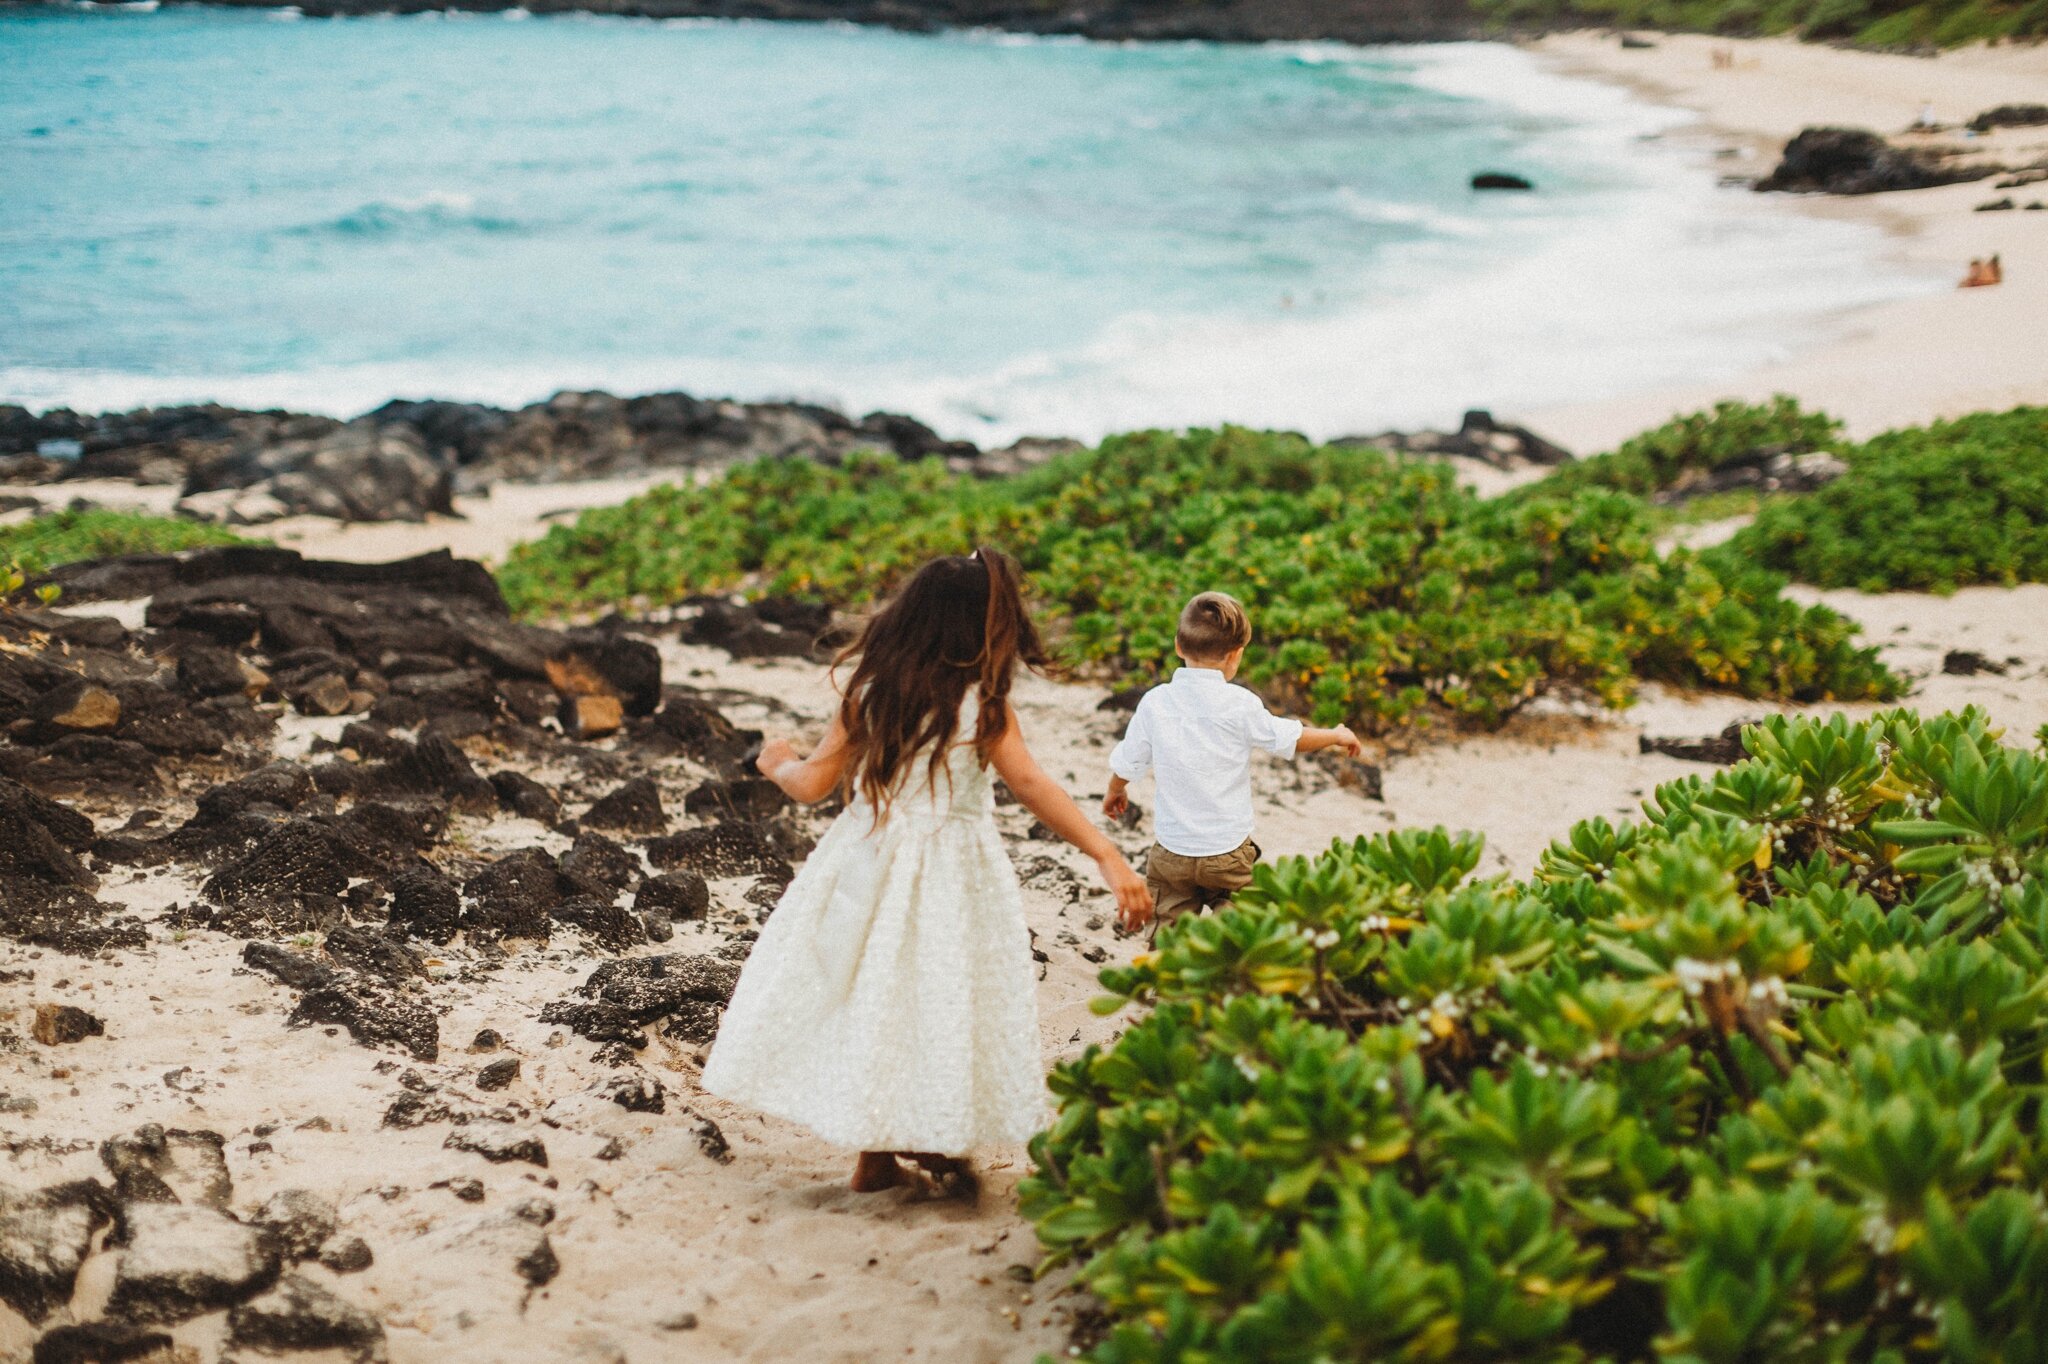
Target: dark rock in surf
[[1500, 180]]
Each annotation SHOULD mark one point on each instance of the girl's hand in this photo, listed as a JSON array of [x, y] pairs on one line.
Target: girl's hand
[[1133, 896], [776, 754]]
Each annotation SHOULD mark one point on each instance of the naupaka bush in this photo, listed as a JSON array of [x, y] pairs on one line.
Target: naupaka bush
[[1380, 590], [1757, 1077]]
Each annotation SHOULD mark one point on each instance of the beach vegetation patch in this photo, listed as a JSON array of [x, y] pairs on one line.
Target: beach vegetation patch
[[37, 545], [1871, 23], [1382, 591], [1694, 447], [1929, 508], [1755, 1077]]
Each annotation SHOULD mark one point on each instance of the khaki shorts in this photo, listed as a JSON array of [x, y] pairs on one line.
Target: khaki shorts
[[1179, 884]]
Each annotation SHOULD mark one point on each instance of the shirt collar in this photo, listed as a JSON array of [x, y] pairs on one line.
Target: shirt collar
[[1198, 675]]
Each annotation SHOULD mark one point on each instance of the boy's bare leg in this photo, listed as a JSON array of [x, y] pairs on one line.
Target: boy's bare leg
[[875, 1171]]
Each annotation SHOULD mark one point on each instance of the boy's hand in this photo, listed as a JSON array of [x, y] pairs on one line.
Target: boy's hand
[[1117, 800], [1133, 896], [775, 755], [1348, 741]]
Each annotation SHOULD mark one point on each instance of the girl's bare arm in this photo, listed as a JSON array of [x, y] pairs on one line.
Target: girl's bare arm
[[806, 780], [1045, 798]]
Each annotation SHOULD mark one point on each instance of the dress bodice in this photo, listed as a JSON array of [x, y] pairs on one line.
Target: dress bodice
[[964, 788]]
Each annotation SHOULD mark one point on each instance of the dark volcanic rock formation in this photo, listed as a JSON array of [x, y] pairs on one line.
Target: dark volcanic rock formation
[[1479, 436], [1362, 21], [406, 460], [1856, 161]]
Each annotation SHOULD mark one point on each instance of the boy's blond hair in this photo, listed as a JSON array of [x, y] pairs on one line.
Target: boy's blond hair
[[1212, 626]]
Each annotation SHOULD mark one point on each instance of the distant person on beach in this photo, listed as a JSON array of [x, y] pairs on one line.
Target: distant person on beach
[[1983, 273], [1197, 734], [889, 1004]]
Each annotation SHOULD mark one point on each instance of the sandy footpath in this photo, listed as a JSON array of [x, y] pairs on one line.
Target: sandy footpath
[[1897, 363]]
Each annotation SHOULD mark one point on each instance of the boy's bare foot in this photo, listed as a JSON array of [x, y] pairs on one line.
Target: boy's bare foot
[[875, 1171]]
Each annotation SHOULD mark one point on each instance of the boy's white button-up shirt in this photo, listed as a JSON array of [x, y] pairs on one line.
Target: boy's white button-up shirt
[[1197, 734]]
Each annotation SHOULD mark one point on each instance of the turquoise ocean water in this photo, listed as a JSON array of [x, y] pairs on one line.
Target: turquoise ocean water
[[996, 234]]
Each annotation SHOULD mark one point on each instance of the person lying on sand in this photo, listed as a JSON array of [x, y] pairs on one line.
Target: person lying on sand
[[1197, 734], [1983, 273], [889, 1004]]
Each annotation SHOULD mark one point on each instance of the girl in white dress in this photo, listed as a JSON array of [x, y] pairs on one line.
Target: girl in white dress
[[889, 1005]]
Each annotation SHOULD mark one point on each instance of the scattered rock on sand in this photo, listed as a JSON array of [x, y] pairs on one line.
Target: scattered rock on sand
[[153, 1164], [498, 1073], [301, 1220], [1722, 748], [298, 1314], [632, 808], [182, 1261], [673, 895], [58, 1024], [108, 1342], [737, 848], [1969, 662], [45, 1236], [498, 1143], [346, 1255]]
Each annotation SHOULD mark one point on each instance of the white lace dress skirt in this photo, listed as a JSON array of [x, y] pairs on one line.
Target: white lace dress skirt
[[890, 1003]]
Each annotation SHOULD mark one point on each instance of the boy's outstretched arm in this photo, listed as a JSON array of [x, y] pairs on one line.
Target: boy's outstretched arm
[[1312, 740]]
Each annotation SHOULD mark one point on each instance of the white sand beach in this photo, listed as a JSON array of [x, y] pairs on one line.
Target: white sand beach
[[1895, 364]]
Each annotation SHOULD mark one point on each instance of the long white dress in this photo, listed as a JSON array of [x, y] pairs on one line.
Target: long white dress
[[890, 1002]]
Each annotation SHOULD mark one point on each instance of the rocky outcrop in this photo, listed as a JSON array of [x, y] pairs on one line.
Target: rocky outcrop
[[358, 472], [407, 460], [1857, 161], [1229, 21], [1769, 469], [1500, 444]]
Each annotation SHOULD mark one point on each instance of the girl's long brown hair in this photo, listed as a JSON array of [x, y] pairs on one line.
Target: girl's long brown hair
[[959, 622]]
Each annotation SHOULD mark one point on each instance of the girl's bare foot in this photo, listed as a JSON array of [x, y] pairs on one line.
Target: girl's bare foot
[[875, 1171], [950, 1176]]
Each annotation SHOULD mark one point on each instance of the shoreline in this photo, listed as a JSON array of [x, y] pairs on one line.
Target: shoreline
[[1888, 364]]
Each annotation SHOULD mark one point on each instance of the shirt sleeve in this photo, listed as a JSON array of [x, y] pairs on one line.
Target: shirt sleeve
[[1132, 757], [1271, 732]]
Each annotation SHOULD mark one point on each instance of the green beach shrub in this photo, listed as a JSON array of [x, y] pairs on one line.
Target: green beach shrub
[[40, 544], [1929, 508], [1755, 1078], [1697, 444], [1872, 23], [1382, 592]]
